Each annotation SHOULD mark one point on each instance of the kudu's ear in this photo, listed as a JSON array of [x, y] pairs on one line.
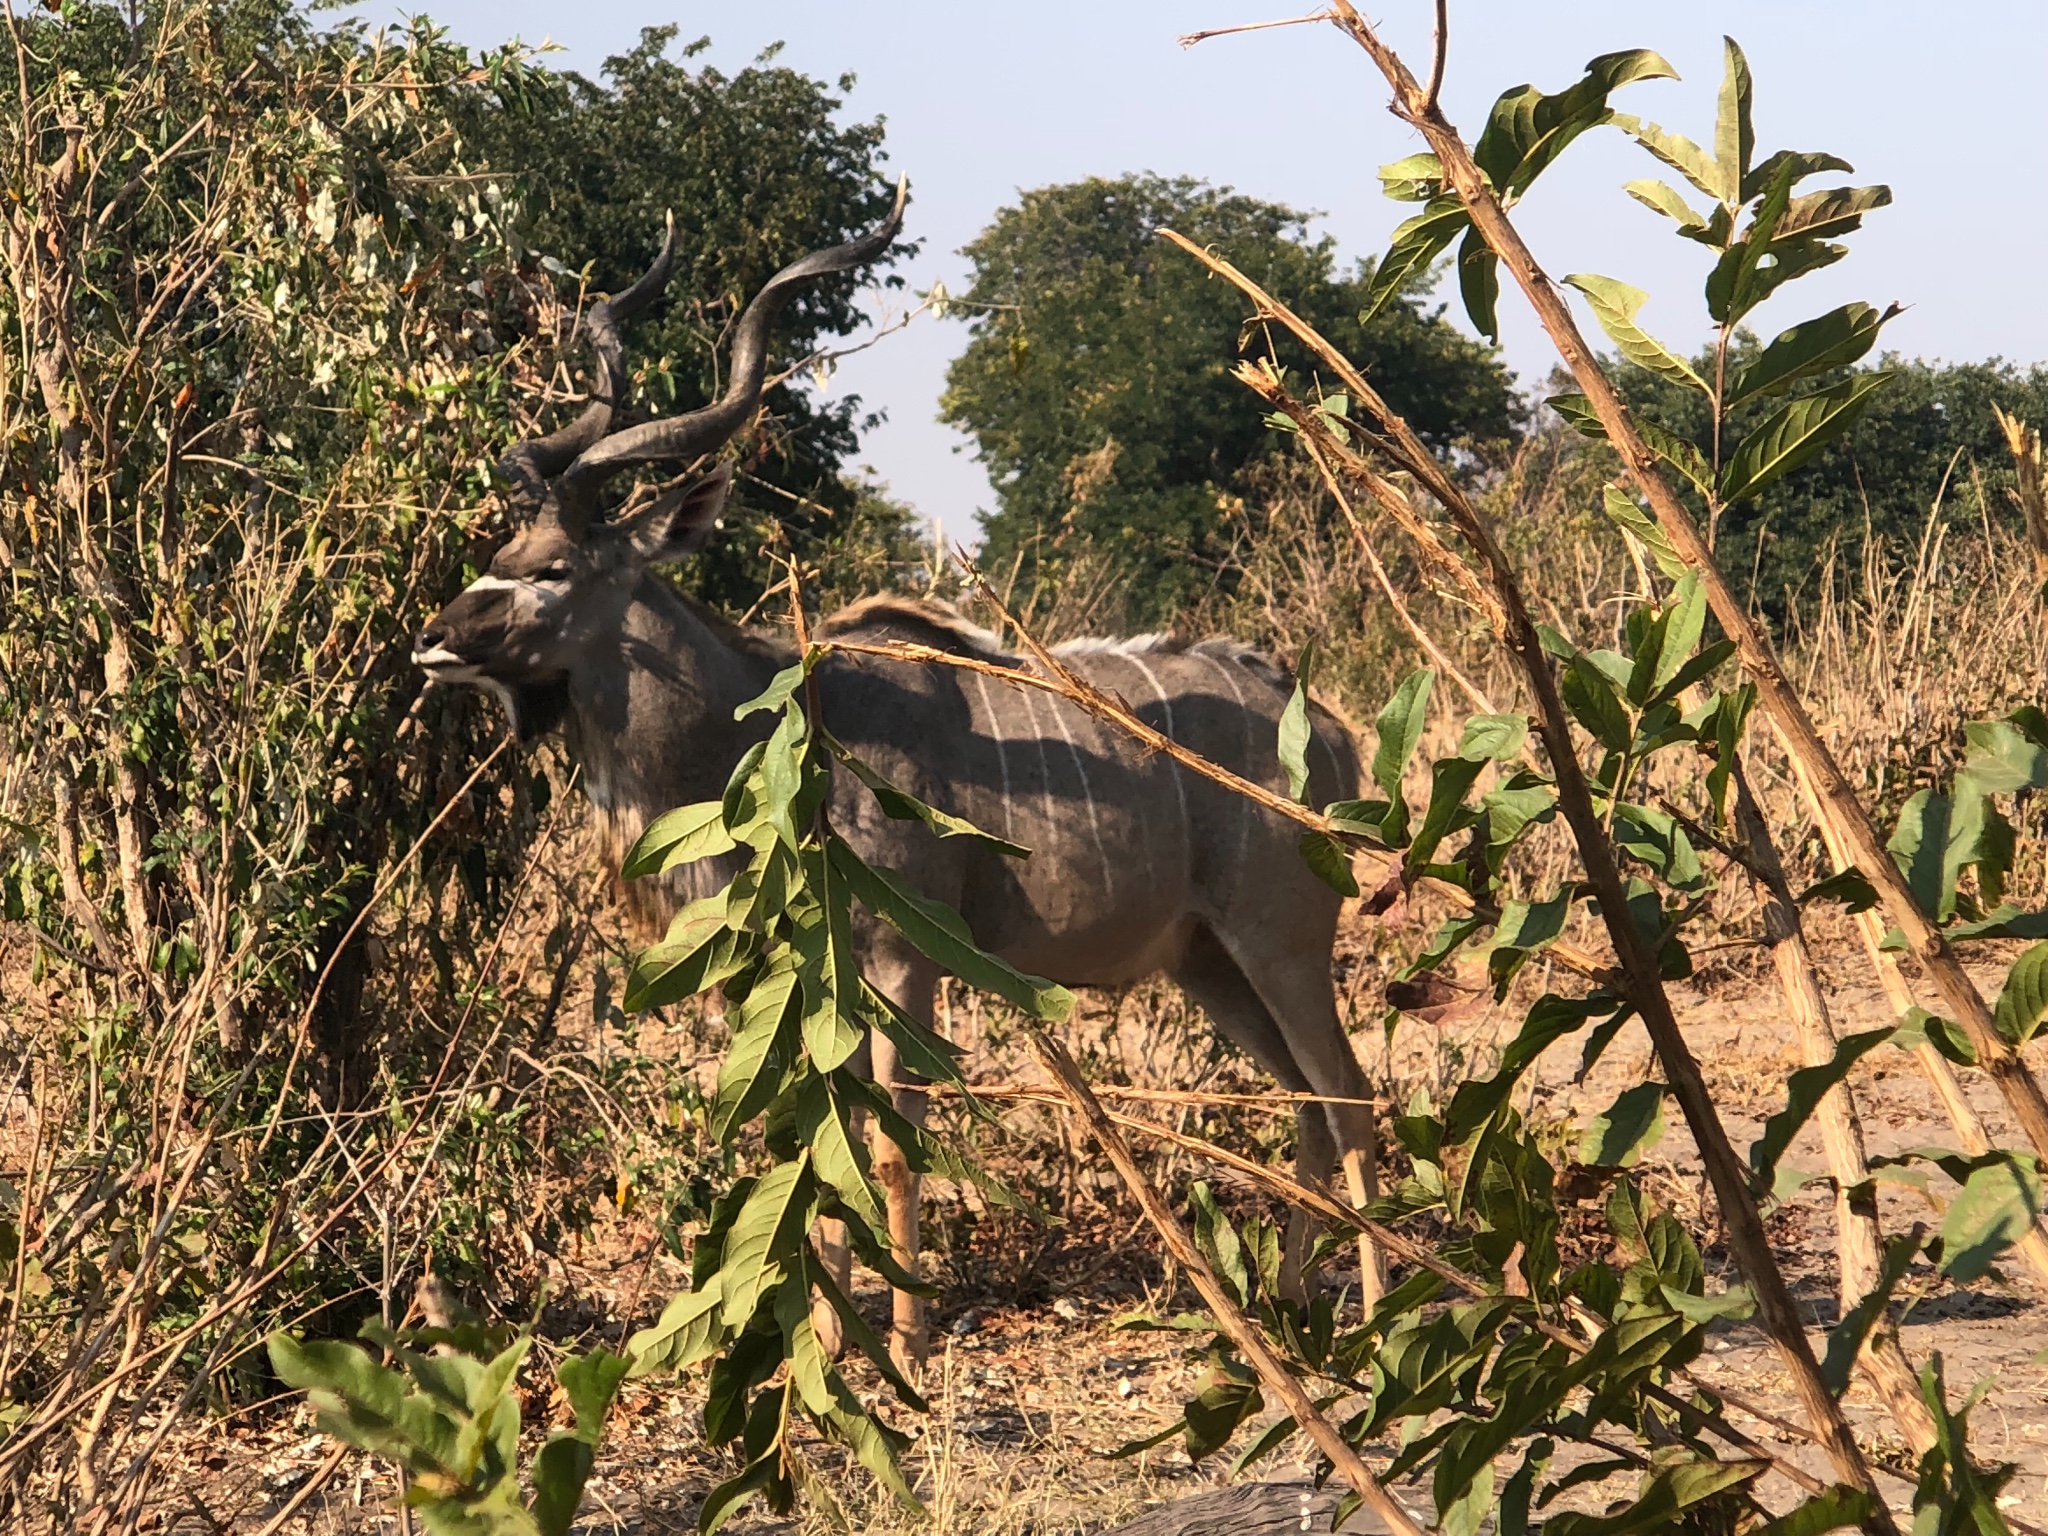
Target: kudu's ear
[[682, 521]]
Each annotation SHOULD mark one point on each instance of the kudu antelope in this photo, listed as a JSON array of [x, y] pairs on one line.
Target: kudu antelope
[[1138, 866]]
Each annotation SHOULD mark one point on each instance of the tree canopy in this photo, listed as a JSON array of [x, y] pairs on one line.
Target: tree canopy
[[1930, 427], [1097, 384], [758, 170]]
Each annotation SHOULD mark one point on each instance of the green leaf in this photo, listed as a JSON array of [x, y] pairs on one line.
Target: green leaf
[[920, 1050], [1919, 1027], [1734, 137], [699, 953], [1667, 200], [2002, 759], [1803, 1093], [1416, 245], [764, 1041], [1627, 1128], [1676, 151], [1592, 699], [1400, 725], [899, 805], [1847, 886], [1226, 1395], [828, 972], [1493, 738], [1833, 340], [1526, 130], [1626, 514], [1736, 1302], [563, 1464], [938, 933], [1296, 732], [1667, 1494], [1790, 259], [836, 1152], [1479, 284], [1732, 289], [1794, 433], [1511, 811], [1413, 179], [1674, 450], [1999, 1201], [680, 837], [2024, 1001], [768, 1231], [1615, 305], [1524, 928], [1549, 1020], [1837, 211], [781, 688], [861, 1336], [1450, 780], [1328, 860], [1839, 1507], [1845, 1339], [691, 1328], [1801, 164], [1217, 1239], [1926, 849]]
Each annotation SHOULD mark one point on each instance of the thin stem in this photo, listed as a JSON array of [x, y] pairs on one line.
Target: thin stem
[[1249, 1339], [1782, 704]]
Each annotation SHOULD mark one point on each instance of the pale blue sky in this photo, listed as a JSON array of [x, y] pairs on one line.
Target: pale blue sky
[[1946, 104]]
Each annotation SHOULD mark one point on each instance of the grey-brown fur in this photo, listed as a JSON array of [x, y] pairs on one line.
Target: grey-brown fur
[[1138, 865]]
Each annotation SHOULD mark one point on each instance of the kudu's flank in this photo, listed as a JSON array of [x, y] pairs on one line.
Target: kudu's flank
[[1137, 866]]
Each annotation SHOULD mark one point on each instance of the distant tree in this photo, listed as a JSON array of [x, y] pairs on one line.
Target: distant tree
[[1097, 381], [1932, 424], [758, 170]]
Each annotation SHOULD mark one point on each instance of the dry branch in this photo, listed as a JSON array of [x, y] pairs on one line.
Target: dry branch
[[1640, 970], [1839, 802], [1249, 1339]]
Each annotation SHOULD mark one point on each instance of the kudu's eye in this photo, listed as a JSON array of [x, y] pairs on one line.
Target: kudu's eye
[[559, 571]]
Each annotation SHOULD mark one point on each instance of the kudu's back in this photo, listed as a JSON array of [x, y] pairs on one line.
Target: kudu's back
[[1130, 852]]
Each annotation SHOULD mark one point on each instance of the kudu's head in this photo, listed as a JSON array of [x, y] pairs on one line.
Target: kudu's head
[[565, 578]]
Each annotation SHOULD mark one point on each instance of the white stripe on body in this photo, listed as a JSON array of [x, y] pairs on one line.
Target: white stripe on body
[[1180, 788], [1052, 819], [1059, 716], [1244, 804], [995, 725]]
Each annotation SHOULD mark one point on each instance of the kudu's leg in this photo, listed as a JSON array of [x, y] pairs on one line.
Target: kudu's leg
[[1207, 974], [910, 986], [1297, 991]]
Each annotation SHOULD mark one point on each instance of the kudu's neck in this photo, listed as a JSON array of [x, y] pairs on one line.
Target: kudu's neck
[[650, 719]]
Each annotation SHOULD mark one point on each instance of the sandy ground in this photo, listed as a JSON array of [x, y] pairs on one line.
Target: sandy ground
[[1032, 1387]]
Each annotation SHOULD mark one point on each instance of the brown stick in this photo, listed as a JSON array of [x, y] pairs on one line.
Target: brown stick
[[1969, 1128], [1641, 975], [1331, 1208], [1249, 1339], [1839, 802], [1859, 1243]]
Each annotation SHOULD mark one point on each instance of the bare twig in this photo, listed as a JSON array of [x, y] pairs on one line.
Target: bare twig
[[1189, 39], [1439, 49], [1638, 963], [1249, 1339], [1839, 801]]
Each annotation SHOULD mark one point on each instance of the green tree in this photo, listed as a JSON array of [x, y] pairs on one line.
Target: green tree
[[1930, 425], [758, 170], [1097, 383]]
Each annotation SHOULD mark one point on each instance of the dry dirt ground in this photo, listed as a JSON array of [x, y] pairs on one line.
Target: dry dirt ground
[[1031, 1387]]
